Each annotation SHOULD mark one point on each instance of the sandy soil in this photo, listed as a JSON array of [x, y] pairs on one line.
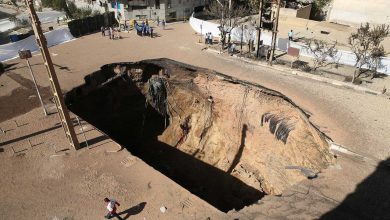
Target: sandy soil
[[51, 181], [357, 120]]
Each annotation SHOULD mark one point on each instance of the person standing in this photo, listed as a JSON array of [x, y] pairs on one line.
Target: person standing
[[111, 207], [151, 32], [102, 30], [163, 24], [290, 35], [110, 32], [158, 21]]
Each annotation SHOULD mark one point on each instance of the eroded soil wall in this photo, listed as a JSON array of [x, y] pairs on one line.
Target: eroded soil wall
[[227, 141]]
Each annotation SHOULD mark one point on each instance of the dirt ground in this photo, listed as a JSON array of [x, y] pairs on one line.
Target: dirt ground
[[37, 185]]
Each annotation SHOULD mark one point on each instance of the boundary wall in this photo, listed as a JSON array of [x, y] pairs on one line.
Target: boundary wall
[[343, 56]]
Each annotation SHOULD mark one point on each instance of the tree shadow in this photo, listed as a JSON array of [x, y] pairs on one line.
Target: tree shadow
[[62, 67], [370, 200], [133, 210]]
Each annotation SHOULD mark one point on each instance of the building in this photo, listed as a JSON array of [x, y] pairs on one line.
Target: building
[[355, 12], [169, 10]]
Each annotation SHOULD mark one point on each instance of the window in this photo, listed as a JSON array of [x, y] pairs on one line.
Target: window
[[169, 4], [137, 7], [141, 17], [172, 15], [157, 4]]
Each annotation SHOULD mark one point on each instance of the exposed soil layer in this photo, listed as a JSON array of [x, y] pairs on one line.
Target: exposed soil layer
[[227, 141]]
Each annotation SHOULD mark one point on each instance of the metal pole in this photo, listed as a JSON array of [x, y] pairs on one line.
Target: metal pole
[[274, 34], [201, 33], [82, 130], [260, 26], [242, 35], [36, 87], [230, 19]]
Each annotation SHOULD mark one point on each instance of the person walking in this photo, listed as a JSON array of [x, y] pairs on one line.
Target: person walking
[[163, 24], [290, 35], [151, 32], [111, 207], [158, 21], [210, 38], [102, 30], [110, 32]]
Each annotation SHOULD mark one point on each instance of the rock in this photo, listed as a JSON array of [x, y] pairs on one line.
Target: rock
[[163, 209]]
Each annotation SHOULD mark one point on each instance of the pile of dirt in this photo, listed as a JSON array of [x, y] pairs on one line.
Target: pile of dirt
[[209, 132]]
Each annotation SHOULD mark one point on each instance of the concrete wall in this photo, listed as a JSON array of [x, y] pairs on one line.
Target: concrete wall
[[355, 12], [151, 13], [288, 12], [304, 12], [182, 8]]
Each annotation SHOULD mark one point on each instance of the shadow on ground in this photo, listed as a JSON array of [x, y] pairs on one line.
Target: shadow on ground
[[370, 200], [133, 210]]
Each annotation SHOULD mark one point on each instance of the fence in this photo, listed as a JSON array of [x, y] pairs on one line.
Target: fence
[[80, 27], [344, 57]]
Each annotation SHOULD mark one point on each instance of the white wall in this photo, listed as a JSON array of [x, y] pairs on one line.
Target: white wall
[[355, 12], [58, 36], [345, 57]]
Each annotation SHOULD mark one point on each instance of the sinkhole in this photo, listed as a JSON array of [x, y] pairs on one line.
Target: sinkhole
[[229, 142]]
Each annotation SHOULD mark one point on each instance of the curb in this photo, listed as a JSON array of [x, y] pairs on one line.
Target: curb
[[289, 71]]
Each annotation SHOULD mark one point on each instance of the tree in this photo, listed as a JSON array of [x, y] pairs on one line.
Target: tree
[[378, 34], [317, 11], [324, 53], [60, 5], [365, 43], [19, 22], [227, 18], [78, 13]]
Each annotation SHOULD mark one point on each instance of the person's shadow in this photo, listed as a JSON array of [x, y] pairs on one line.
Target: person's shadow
[[133, 210]]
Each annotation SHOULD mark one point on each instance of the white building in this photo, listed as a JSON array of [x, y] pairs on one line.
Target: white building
[[355, 12], [169, 10]]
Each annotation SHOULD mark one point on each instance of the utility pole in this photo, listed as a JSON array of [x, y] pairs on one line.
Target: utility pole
[[230, 13], [260, 26], [63, 113], [25, 54], [274, 33]]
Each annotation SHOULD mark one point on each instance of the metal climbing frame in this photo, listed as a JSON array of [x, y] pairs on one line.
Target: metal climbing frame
[[67, 124]]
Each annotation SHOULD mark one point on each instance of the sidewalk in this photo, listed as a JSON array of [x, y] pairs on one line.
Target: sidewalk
[[286, 70]]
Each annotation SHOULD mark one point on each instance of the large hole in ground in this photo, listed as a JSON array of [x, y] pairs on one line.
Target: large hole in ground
[[227, 141]]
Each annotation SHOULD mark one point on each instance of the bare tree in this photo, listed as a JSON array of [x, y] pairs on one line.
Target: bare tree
[[227, 18], [365, 43], [324, 53]]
